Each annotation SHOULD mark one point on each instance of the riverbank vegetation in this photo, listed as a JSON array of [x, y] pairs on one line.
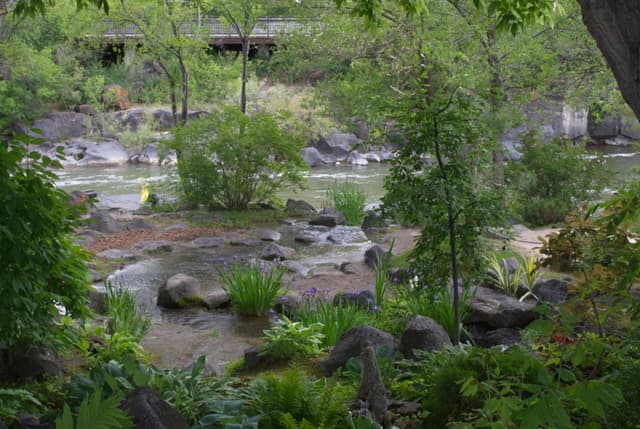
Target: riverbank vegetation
[[442, 87]]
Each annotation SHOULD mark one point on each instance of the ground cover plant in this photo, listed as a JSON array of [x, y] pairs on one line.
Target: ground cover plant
[[347, 198], [253, 288]]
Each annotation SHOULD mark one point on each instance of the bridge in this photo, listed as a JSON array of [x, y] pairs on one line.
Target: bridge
[[218, 32]]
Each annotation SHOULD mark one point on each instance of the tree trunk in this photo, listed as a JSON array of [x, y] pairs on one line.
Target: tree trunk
[[614, 24], [245, 61], [496, 100], [185, 90]]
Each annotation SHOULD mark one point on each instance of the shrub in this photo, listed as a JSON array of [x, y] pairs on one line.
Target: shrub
[[349, 200], [233, 160], [254, 289], [335, 319], [43, 271], [125, 316], [553, 178], [289, 339], [501, 276]]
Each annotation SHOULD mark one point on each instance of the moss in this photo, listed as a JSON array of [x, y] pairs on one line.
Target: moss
[[191, 301]]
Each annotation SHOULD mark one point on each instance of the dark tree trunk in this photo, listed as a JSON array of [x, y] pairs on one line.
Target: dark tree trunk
[[185, 90], [615, 25], [245, 60]]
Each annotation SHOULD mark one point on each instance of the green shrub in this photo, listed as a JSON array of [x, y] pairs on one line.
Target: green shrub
[[233, 160], [253, 289], [43, 271], [14, 401], [501, 277], [292, 399], [126, 317], [554, 178], [349, 200], [335, 319], [288, 339]]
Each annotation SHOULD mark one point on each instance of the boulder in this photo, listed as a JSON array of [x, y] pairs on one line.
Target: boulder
[[85, 109], [61, 125], [97, 300], [299, 207], [108, 152], [115, 97], [256, 357], [373, 255], [103, 222], [216, 299], [155, 247], [275, 252], [312, 157], [496, 337], [179, 291], [149, 411], [553, 291], [163, 118], [207, 242], [363, 299], [338, 145], [355, 158], [130, 119], [373, 220], [138, 224], [328, 217], [423, 333], [117, 254], [268, 235], [352, 343], [149, 155], [497, 310], [343, 234], [299, 268], [32, 367]]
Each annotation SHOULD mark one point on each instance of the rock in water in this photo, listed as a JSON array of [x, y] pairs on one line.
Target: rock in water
[[179, 291]]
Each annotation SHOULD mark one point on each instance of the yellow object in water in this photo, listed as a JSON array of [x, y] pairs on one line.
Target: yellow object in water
[[144, 193]]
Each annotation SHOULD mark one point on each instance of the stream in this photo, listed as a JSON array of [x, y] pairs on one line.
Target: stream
[[178, 337]]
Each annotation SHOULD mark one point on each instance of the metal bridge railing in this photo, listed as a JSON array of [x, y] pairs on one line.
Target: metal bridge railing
[[213, 27]]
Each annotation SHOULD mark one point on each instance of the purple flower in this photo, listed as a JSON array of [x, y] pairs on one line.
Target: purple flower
[[310, 292], [313, 309], [272, 312], [395, 280], [283, 299], [375, 308]]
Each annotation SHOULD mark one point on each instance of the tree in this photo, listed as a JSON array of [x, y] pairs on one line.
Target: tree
[[44, 272], [233, 159], [171, 33]]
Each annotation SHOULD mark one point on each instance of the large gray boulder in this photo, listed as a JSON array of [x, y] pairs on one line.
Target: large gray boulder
[[495, 337], [149, 411], [423, 333], [216, 299], [299, 207], [373, 255], [339, 144], [107, 152], [328, 217], [553, 291], [497, 310], [343, 234], [352, 343], [61, 125], [179, 291], [273, 251], [103, 222], [312, 156]]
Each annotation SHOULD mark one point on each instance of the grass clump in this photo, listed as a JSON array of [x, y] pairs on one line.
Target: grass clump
[[253, 289], [348, 199]]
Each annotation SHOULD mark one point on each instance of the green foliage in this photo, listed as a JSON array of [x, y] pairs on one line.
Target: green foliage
[[335, 319], [187, 390], [554, 178], [438, 306], [501, 276], [290, 340], [382, 274], [125, 316], [14, 401], [482, 388], [97, 412], [233, 160], [348, 199], [253, 289], [42, 269], [530, 274], [228, 414], [292, 400]]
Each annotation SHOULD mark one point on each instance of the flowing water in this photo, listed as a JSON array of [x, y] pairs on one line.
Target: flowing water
[[179, 336]]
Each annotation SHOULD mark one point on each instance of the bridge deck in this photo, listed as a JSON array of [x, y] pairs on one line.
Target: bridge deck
[[215, 29]]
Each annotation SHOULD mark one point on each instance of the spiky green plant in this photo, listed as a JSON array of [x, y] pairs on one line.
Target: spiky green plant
[[530, 274], [501, 277], [348, 199], [253, 289]]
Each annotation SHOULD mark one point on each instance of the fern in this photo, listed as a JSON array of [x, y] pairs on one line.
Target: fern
[[97, 413]]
